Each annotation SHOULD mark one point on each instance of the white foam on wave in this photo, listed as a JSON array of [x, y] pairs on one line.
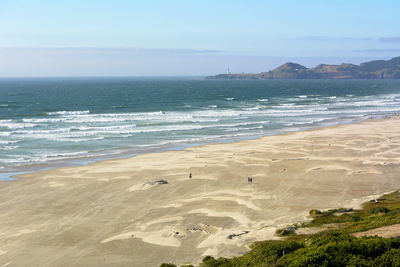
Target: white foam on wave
[[7, 142], [180, 141], [16, 161], [288, 105], [137, 117], [79, 140], [342, 112], [67, 154], [294, 107], [244, 128], [229, 98], [86, 133], [302, 96], [43, 120], [65, 112], [19, 160], [253, 108], [37, 132], [157, 121], [283, 111], [305, 121], [10, 124], [224, 113], [5, 133], [99, 119], [175, 117], [9, 148], [197, 139], [377, 103], [172, 121], [103, 128], [390, 96], [125, 135], [263, 100]]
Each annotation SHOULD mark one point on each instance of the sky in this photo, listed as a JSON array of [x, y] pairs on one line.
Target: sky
[[187, 37]]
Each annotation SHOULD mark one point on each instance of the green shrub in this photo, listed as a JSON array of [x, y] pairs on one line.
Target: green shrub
[[341, 249], [376, 210], [262, 254], [209, 261], [286, 231], [315, 213], [389, 258], [167, 265]]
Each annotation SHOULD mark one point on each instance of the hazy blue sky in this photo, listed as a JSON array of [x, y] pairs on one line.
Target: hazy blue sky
[[116, 37]]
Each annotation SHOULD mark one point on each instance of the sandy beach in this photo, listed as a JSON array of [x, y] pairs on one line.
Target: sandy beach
[[144, 210]]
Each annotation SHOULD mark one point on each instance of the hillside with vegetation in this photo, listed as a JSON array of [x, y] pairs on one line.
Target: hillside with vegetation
[[333, 243], [377, 69]]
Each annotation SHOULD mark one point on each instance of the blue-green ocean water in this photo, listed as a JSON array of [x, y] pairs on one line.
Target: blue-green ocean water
[[65, 119]]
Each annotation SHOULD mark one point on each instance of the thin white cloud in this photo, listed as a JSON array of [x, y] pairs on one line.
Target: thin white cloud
[[133, 50], [335, 38], [378, 50], [392, 39]]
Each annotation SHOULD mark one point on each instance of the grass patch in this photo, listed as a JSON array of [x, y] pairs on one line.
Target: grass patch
[[376, 213]]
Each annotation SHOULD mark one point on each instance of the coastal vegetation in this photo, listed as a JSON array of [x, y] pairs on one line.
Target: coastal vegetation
[[375, 213], [334, 245], [332, 248], [377, 69]]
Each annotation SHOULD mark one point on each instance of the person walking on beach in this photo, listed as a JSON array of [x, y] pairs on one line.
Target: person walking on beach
[[190, 175]]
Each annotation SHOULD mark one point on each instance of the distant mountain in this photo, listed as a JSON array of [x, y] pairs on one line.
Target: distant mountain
[[377, 69]]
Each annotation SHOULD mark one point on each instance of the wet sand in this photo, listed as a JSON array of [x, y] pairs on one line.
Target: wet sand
[[115, 213]]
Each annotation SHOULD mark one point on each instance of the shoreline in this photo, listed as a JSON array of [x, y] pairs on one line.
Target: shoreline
[[12, 175], [118, 210]]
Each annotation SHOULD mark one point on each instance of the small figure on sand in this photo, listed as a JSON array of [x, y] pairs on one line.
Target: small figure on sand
[[190, 175], [249, 180]]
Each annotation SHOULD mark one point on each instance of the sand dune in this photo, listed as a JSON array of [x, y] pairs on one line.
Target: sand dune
[[115, 213]]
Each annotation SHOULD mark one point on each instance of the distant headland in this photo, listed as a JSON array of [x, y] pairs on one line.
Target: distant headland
[[377, 69]]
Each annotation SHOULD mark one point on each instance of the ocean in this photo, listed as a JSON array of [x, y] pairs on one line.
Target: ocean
[[46, 122]]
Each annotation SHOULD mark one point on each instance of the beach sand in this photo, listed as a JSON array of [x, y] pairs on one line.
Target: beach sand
[[108, 214]]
